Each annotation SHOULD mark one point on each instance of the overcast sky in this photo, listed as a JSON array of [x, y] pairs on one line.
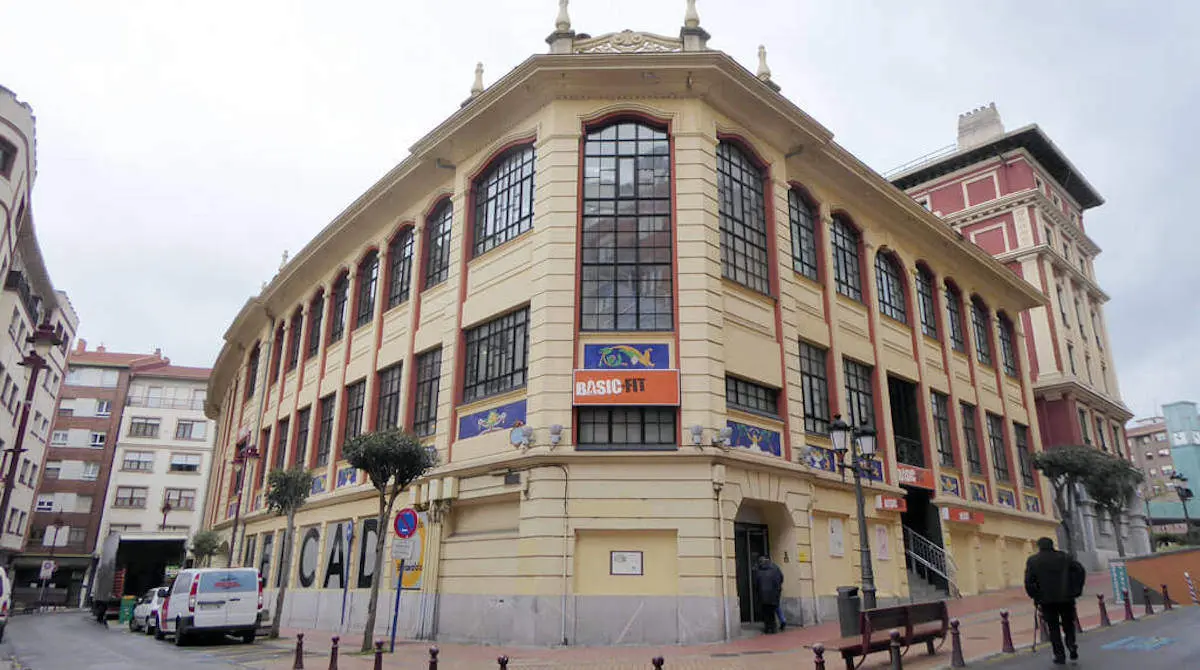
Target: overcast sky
[[182, 146]]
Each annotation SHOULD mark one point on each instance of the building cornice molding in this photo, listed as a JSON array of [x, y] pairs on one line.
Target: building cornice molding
[[1068, 386]]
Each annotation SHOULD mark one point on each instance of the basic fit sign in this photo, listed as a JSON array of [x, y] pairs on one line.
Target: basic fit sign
[[626, 387]]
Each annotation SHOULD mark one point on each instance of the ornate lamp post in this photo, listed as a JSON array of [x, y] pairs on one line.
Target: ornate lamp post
[[243, 457], [1185, 494], [43, 340], [860, 444]]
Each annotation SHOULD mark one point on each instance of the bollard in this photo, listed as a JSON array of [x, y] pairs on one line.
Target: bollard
[[1104, 621], [1006, 634], [657, 662], [1128, 605], [298, 663], [1146, 597], [333, 651], [433, 654], [956, 652], [378, 655], [894, 648], [503, 661], [1166, 598], [819, 654]]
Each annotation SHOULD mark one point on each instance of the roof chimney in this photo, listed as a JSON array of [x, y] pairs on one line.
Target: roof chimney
[[157, 352], [979, 126], [80, 345], [101, 349]]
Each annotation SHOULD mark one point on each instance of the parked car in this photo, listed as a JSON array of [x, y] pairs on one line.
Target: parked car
[[5, 600], [145, 615], [212, 600]]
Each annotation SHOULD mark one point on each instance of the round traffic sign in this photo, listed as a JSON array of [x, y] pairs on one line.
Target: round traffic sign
[[406, 523]]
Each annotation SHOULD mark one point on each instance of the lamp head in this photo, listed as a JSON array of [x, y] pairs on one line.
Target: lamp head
[[723, 437], [697, 433], [839, 434], [526, 435], [866, 439], [556, 431], [44, 339]]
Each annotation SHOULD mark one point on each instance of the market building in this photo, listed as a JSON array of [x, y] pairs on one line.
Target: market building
[[624, 291]]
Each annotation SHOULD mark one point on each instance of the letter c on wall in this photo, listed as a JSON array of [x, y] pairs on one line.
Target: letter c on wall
[[309, 547]]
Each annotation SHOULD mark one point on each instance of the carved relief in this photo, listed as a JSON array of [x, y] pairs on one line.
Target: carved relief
[[628, 41]]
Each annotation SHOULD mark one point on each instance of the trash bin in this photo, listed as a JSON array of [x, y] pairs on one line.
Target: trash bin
[[128, 603], [849, 606]]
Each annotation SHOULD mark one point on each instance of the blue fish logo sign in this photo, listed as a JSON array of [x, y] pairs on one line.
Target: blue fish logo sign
[[625, 356]]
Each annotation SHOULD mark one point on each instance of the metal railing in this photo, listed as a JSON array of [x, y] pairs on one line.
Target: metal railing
[[933, 558], [909, 451]]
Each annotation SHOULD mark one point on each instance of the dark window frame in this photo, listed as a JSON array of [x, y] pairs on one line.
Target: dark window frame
[[742, 212], [303, 428], [387, 390], [663, 421], [252, 363], [439, 227], [366, 289], [496, 356], [1000, 464], [316, 319], [1008, 346], [428, 384], [860, 391], [277, 344], [281, 437], [400, 261], [355, 400], [981, 323], [295, 326], [970, 421], [324, 450], [1024, 458], [496, 222], [926, 304], [744, 395], [943, 435], [846, 241], [814, 382], [341, 298], [954, 319], [889, 287], [802, 218]]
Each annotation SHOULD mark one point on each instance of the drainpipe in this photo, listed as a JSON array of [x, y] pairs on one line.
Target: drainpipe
[[565, 550], [718, 487]]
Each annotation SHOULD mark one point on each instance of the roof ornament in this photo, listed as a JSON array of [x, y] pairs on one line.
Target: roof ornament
[[284, 260], [764, 70], [691, 19], [477, 87], [562, 24], [694, 37], [562, 40]]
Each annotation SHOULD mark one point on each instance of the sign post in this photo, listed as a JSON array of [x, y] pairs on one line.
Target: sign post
[[396, 606], [346, 568], [402, 550]]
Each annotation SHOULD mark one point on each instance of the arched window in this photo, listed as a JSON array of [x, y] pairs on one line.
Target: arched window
[[437, 244], [337, 319], [368, 278], [981, 323], [890, 287], [925, 302], [626, 244], [294, 327], [400, 253], [740, 187], [803, 215], [316, 315], [504, 199], [252, 370], [847, 270], [954, 318], [1008, 345], [276, 353]]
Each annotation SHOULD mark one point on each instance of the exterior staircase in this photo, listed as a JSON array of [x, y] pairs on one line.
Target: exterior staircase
[[931, 571]]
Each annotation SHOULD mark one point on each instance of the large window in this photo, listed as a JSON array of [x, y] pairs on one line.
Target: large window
[[142, 427], [281, 440], [252, 370], [860, 398], [387, 408], [368, 280], [847, 270], [496, 355], [890, 286], [983, 333], [302, 428], [1024, 460], [341, 295], [995, 425], [971, 436], [627, 427], [748, 396], [626, 280], [294, 327], [325, 431], [437, 244], [814, 380], [356, 400], [316, 315], [954, 320], [504, 199], [138, 461], [429, 377], [925, 302], [185, 462], [803, 216], [276, 353], [181, 499], [1008, 346], [400, 257], [743, 214], [941, 428], [131, 497]]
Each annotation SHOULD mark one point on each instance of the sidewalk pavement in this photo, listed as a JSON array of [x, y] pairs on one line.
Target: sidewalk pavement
[[979, 617]]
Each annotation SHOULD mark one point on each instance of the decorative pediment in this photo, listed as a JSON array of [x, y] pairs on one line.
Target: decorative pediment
[[628, 42]]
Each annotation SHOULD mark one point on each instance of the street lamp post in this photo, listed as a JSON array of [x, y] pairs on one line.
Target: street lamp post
[[1185, 494], [243, 457], [860, 444], [43, 339]]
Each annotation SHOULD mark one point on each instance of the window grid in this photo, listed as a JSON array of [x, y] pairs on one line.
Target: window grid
[[974, 459], [387, 413], [626, 275], [316, 315], [743, 216], [276, 353], [860, 398], [429, 377], [847, 271], [302, 428], [890, 288], [1101, 435], [496, 356], [143, 428], [368, 280], [325, 434], [941, 427], [954, 320], [138, 461], [297, 322], [437, 249], [751, 397], [814, 381], [925, 303], [341, 294], [620, 427], [1008, 348], [181, 499], [804, 235], [983, 335], [252, 370], [400, 256], [504, 199], [131, 497], [999, 453], [281, 439], [1021, 438], [356, 398]]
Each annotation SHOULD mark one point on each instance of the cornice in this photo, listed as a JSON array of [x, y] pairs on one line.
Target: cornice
[[1070, 386]]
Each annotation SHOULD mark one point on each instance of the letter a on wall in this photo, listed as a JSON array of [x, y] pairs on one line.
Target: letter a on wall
[[309, 546], [366, 552], [335, 556]]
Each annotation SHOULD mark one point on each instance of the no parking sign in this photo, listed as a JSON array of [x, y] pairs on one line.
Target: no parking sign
[[406, 523]]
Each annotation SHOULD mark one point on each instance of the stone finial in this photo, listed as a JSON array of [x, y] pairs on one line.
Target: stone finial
[[694, 37], [764, 72], [477, 87], [283, 261], [691, 19], [562, 23]]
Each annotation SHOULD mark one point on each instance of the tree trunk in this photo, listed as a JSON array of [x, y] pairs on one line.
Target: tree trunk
[[1060, 500], [368, 636], [1114, 515], [285, 567]]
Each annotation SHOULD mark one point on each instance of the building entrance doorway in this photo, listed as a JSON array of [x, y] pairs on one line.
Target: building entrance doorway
[[923, 550], [750, 540]]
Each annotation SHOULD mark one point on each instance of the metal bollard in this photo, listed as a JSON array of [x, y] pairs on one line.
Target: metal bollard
[[1128, 605], [298, 663], [894, 649], [1146, 597], [503, 661], [1166, 598], [819, 653], [333, 652], [378, 655], [433, 654], [1006, 643], [657, 662], [1104, 620], [956, 652]]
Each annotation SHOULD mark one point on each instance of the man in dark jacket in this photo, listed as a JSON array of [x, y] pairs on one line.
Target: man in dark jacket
[[768, 588], [1054, 580]]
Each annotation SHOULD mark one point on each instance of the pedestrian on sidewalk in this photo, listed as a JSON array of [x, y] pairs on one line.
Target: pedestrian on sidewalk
[[1054, 580], [768, 587]]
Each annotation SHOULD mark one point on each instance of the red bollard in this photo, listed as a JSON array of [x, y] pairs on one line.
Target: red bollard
[[894, 650], [378, 655], [503, 661], [1006, 643], [298, 663], [819, 653], [956, 652], [1146, 597], [657, 662], [433, 654], [333, 651], [1166, 598], [1128, 605], [1104, 621]]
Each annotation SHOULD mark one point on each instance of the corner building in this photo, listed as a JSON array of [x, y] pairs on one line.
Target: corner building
[[667, 278]]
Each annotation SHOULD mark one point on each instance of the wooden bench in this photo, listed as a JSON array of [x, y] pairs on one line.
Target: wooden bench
[[923, 622]]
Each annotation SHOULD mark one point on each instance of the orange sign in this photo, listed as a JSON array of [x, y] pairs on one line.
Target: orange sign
[[626, 387], [890, 503], [910, 475], [962, 515]]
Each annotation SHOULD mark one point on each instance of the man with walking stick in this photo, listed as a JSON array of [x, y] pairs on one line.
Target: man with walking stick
[[1054, 580]]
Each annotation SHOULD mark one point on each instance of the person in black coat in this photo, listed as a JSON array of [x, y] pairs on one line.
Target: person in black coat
[[768, 589], [1054, 580]]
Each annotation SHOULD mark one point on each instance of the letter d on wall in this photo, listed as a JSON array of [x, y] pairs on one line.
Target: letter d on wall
[[366, 552]]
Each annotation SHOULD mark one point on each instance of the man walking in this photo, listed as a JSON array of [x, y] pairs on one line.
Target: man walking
[[768, 587], [1054, 580]]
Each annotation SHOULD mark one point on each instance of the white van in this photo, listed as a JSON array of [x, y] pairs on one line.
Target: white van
[[5, 600], [212, 600]]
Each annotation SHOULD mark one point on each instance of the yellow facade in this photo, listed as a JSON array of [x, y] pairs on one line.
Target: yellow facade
[[544, 543]]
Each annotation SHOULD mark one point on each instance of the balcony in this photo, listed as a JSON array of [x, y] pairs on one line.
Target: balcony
[[196, 404], [909, 451]]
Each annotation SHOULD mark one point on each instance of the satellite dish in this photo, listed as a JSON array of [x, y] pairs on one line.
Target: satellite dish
[[516, 436]]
